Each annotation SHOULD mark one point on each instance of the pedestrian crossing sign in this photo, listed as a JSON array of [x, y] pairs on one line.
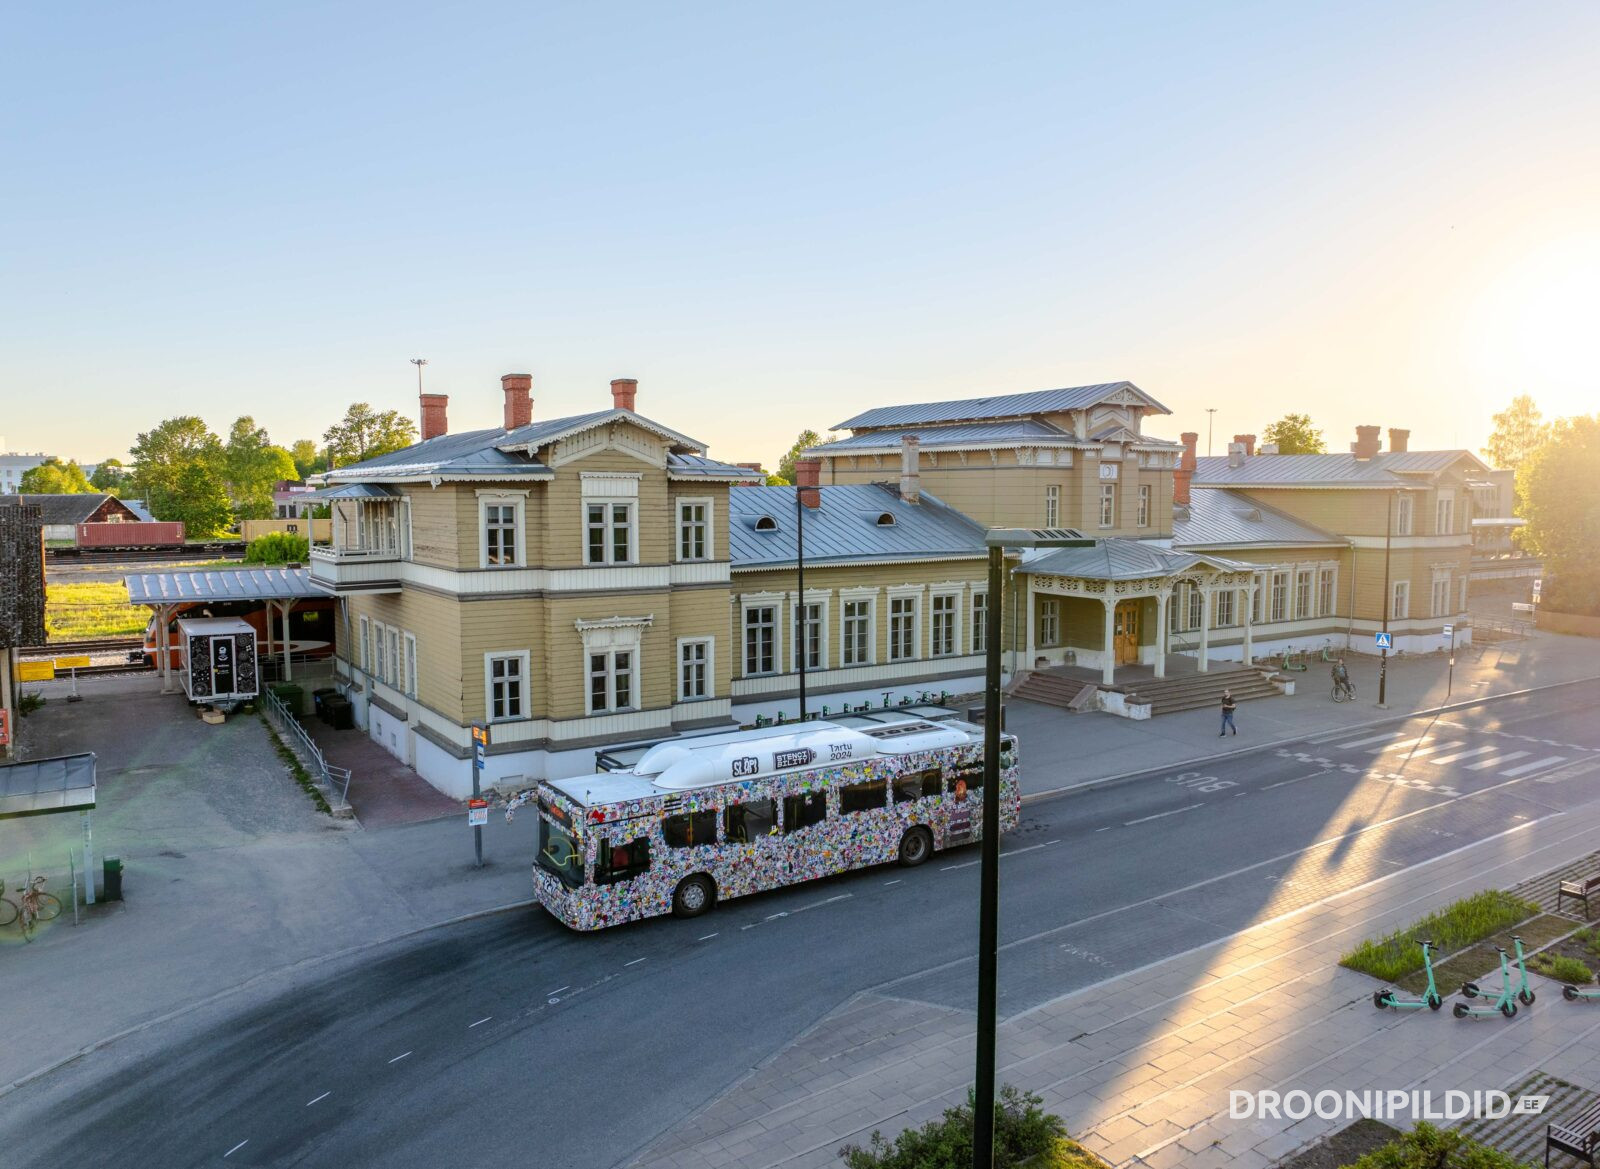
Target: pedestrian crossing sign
[[1384, 640]]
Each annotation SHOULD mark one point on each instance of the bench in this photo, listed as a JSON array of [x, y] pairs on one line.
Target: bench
[[1580, 891], [1580, 1136]]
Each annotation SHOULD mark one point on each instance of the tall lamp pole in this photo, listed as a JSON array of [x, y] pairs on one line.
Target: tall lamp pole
[[1211, 418], [1388, 602], [419, 362], [801, 648]]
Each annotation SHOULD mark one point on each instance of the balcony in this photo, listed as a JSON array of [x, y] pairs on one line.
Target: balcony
[[356, 569]]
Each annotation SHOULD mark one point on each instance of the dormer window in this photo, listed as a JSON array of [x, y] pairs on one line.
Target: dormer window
[[766, 524], [886, 520]]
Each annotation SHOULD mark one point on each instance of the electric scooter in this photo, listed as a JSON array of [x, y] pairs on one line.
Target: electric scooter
[[1524, 993], [1575, 994], [1506, 1004], [1431, 998]]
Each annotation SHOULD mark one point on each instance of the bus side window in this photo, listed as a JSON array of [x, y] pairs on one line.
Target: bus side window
[[918, 784], [618, 862], [804, 810], [862, 797], [688, 829], [752, 820], [969, 773]]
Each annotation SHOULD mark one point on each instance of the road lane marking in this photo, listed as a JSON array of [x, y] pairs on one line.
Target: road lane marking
[[1536, 765], [237, 1147], [1012, 852], [1441, 760], [707, 937], [896, 881], [1418, 752], [1496, 761], [1107, 828], [635, 962], [1366, 741], [820, 904], [1160, 815], [557, 990], [398, 1058], [480, 1022], [1297, 779], [322, 1097], [1400, 746]]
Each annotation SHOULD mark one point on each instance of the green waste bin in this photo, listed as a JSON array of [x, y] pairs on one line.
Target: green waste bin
[[291, 696], [113, 878]]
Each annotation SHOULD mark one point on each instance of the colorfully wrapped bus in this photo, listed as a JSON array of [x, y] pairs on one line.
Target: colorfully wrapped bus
[[699, 820]]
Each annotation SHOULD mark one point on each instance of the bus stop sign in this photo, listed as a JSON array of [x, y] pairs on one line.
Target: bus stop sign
[[477, 813]]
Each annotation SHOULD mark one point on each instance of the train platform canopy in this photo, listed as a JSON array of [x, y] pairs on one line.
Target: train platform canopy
[[40, 786], [222, 584]]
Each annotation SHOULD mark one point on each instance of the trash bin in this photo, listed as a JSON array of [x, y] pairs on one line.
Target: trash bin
[[292, 696], [113, 878], [318, 698], [339, 713]]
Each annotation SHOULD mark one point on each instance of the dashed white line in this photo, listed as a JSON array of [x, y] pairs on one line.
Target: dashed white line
[[896, 881], [237, 1147], [1107, 828], [400, 1057], [557, 990], [1160, 815], [1052, 842], [707, 937], [635, 962], [480, 1022], [1287, 782], [1012, 852], [324, 1096]]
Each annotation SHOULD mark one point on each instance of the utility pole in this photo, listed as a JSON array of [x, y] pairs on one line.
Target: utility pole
[[802, 647], [419, 362], [1211, 418], [1388, 604]]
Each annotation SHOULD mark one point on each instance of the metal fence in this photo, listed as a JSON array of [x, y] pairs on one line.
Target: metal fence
[[333, 781]]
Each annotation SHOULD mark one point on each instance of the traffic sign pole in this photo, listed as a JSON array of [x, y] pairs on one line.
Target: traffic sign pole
[[1450, 678], [480, 746]]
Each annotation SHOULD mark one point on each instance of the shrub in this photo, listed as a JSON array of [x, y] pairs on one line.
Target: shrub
[[1021, 1130], [1561, 968], [1452, 928], [1589, 939], [1432, 1148], [277, 548]]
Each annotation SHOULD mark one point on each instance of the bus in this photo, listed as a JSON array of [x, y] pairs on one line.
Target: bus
[[699, 820]]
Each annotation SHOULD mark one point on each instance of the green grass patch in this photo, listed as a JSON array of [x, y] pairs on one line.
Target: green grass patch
[[83, 609], [1561, 968], [1427, 1147], [1454, 927], [1480, 962], [296, 768], [1589, 940]]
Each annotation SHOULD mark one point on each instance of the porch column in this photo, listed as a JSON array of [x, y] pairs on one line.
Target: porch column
[[1109, 658], [287, 643], [1205, 627], [164, 644], [1249, 623], [1027, 623], [1162, 598]]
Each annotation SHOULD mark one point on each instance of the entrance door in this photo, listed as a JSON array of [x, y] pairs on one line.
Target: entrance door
[[1126, 632], [222, 666]]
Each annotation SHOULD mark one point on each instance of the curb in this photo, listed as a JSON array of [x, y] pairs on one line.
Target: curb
[[1124, 776], [227, 992]]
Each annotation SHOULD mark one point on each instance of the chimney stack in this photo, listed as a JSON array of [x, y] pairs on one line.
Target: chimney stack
[[1249, 441], [434, 422], [518, 389], [1236, 454], [910, 468], [623, 392], [756, 467], [1180, 486], [1366, 443], [807, 477], [1189, 438], [1398, 441]]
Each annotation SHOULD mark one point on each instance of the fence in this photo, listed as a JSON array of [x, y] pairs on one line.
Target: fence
[[334, 781]]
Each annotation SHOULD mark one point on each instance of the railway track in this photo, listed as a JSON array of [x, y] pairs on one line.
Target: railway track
[[215, 550], [64, 649]]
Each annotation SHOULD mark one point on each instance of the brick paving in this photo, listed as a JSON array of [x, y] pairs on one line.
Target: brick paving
[[1141, 1066], [383, 791]]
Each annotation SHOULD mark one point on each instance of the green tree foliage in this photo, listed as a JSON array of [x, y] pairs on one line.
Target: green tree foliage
[[1560, 493], [1295, 435], [365, 433], [308, 458], [53, 477], [110, 476], [1427, 1147], [1519, 430], [1021, 1130], [277, 548], [178, 472], [251, 465], [200, 502], [785, 473]]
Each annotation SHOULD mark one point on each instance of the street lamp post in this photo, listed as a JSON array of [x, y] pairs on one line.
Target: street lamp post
[[1388, 604], [1211, 417], [998, 540], [801, 648], [419, 362]]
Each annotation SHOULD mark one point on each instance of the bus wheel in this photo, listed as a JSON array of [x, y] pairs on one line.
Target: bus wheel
[[916, 846], [693, 896]]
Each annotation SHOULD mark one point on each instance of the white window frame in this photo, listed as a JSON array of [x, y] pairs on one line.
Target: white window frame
[[1195, 607], [524, 676], [1145, 495], [1327, 590], [409, 677], [1440, 596], [1224, 604], [366, 645], [1400, 600], [1404, 512], [1052, 505], [608, 527], [706, 665], [870, 600], [519, 503], [380, 660], [609, 489], [609, 655], [1444, 515], [978, 609], [1305, 593], [1049, 621], [914, 619], [1258, 598], [1279, 598], [818, 600], [708, 524], [396, 667], [953, 638], [1108, 505], [776, 606]]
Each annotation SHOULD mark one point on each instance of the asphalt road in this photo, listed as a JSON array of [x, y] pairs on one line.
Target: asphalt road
[[510, 1041]]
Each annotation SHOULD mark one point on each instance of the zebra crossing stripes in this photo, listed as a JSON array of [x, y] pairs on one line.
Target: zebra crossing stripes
[[1496, 761], [1536, 765], [1440, 753], [1441, 760]]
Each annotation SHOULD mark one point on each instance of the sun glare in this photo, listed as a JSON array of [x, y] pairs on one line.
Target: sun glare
[[1538, 323]]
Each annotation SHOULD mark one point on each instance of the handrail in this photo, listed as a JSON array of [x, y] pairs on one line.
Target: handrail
[[331, 552], [336, 780]]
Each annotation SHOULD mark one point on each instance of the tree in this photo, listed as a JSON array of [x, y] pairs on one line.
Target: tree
[[1295, 435], [785, 474], [251, 467], [1519, 430], [1561, 502], [53, 477], [110, 476], [199, 502], [364, 433], [175, 458], [308, 458]]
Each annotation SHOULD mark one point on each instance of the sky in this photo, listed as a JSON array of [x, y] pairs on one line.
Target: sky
[[775, 216]]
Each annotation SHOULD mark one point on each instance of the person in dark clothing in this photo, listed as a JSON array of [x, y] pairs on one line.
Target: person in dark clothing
[[1228, 707]]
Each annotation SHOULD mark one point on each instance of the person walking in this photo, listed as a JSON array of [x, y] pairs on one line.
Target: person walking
[[1228, 707]]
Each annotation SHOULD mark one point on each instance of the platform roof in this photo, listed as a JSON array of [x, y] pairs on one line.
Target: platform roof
[[222, 584], [38, 786]]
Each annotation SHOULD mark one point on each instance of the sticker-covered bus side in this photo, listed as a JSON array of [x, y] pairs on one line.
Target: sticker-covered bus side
[[624, 861]]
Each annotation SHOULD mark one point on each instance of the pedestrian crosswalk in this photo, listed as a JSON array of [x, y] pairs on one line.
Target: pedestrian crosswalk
[[1398, 748]]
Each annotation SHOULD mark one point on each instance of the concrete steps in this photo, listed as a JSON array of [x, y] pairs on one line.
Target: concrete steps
[[1194, 691], [1054, 690]]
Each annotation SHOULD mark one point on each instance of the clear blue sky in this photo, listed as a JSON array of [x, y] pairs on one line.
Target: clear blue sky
[[774, 216]]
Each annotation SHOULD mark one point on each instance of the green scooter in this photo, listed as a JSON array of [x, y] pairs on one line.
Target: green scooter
[[1430, 998], [1506, 1004], [1575, 994], [1524, 992]]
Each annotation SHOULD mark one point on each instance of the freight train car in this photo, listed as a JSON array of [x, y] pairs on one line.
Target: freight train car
[[311, 627], [129, 534]]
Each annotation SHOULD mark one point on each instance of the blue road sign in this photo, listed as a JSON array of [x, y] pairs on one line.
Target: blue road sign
[[1384, 640]]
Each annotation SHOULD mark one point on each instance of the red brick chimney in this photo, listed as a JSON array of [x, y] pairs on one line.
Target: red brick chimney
[[808, 477], [1367, 442], [1180, 486], [911, 468], [518, 389], [1398, 441], [1186, 461], [623, 392], [756, 467], [1249, 441], [434, 422]]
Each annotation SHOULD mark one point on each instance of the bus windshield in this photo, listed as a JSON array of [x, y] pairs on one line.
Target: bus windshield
[[560, 853]]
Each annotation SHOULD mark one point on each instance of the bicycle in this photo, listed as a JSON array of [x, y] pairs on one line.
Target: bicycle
[[1344, 692], [37, 906]]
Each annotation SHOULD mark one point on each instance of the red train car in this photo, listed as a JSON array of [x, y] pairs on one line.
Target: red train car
[[133, 534], [311, 627]]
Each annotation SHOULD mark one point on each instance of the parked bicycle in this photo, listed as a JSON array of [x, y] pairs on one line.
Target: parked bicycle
[[36, 906]]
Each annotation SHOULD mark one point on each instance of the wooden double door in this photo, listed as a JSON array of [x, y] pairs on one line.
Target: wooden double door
[[1125, 625]]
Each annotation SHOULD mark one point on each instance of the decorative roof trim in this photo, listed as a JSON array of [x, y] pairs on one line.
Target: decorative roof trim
[[605, 419]]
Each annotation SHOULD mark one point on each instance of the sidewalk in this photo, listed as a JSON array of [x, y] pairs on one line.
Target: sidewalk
[[1141, 1067]]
